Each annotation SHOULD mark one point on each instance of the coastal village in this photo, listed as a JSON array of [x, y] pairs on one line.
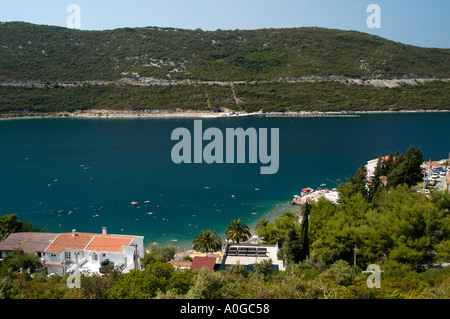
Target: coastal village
[[68, 253], [435, 176]]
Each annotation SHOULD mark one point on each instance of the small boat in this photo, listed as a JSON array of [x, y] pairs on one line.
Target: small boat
[[134, 203]]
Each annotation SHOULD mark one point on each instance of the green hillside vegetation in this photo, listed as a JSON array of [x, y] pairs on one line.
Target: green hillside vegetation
[[48, 53], [280, 97], [47, 69]]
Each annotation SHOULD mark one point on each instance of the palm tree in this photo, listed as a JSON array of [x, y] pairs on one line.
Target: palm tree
[[237, 230], [207, 241]]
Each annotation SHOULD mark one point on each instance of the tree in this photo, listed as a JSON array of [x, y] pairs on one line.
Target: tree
[[207, 241], [263, 268], [158, 253], [18, 259], [359, 181], [237, 230], [145, 284], [375, 182], [407, 170], [304, 236], [292, 247], [95, 285], [261, 224], [208, 285]]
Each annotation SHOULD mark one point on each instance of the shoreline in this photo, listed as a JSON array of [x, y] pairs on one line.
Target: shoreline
[[123, 114]]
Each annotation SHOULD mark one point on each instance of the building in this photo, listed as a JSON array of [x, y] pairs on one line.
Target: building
[[250, 254], [197, 263], [29, 242], [200, 262], [246, 254], [77, 251]]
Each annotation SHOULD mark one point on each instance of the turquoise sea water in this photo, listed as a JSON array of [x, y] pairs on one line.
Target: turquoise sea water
[[85, 173]]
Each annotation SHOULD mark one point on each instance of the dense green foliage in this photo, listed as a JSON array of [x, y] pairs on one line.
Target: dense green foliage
[[311, 279], [48, 53], [267, 97]]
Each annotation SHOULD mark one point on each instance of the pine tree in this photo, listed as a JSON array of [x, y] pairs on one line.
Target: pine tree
[[407, 169]]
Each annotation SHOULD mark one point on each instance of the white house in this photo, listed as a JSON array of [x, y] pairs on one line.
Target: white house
[[69, 252], [75, 251]]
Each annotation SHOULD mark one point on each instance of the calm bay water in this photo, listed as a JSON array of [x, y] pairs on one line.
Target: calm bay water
[[85, 173]]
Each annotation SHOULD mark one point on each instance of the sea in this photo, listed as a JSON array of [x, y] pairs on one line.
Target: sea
[[85, 174]]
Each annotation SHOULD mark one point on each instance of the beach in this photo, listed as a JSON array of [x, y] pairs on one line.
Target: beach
[[142, 114]]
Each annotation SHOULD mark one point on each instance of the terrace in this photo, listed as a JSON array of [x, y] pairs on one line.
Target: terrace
[[249, 254]]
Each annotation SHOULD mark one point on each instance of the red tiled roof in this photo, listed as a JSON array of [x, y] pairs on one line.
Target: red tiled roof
[[66, 240], [28, 242], [200, 262], [88, 241], [55, 243], [433, 163], [112, 243]]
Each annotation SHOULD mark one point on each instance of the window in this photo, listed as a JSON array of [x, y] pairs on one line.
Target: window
[[94, 257], [67, 255]]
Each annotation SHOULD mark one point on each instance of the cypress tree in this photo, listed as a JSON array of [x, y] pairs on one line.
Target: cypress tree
[[304, 237]]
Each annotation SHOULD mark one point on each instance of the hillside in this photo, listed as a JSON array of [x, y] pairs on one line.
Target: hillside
[[46, 53]]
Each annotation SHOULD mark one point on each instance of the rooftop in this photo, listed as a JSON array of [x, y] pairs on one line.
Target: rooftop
[[111, 243], [28, 242], [251, 254], [70, 241], [431, 164], [89, 241], [200, 262]]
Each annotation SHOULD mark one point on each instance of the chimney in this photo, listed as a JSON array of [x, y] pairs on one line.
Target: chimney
[[73, 233], [103, 230]]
